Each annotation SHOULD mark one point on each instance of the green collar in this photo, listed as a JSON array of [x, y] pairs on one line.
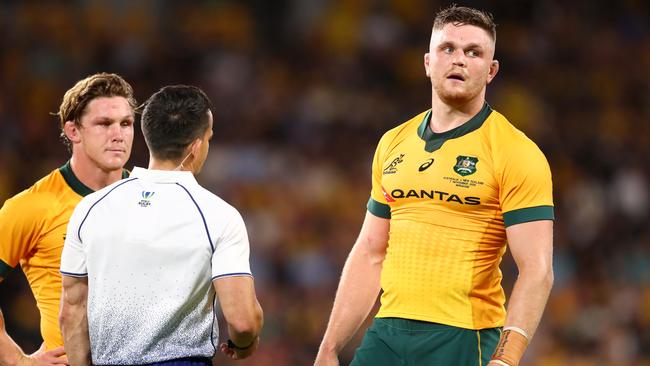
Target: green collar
[[435, 140], [75, 183]]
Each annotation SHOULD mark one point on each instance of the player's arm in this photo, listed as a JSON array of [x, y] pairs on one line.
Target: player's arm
[[358, 288], [242, 312], [10, 352], [74, 320], [531, 245], [12, 355]]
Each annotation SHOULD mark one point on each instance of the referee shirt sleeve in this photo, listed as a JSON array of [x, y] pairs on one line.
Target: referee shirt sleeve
[[232, 250], [73, 257]]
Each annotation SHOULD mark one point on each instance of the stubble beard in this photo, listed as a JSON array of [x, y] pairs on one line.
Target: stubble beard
[[458, 96]]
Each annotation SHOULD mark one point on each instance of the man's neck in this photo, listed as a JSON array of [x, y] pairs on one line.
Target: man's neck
[[159, 164], [163, 165], [445, 117], [91, 175]]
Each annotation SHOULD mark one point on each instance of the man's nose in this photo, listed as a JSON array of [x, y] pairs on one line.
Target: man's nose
[[116, 132], [459, 58]]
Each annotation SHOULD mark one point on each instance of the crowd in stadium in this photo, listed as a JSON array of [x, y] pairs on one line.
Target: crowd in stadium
[[303, 90]]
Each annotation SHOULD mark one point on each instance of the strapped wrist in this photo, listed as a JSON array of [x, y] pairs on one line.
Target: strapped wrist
[[511, 347], [232, 345]]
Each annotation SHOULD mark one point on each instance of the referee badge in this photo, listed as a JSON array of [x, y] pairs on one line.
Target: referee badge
[[146, 199], [465, 165]]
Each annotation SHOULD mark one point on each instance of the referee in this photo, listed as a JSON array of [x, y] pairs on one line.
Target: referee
[[146, 258]]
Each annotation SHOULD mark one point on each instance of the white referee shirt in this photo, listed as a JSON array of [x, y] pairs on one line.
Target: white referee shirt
[[150, 246]]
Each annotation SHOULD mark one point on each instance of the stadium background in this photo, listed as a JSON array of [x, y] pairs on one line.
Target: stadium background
[[304, 89]]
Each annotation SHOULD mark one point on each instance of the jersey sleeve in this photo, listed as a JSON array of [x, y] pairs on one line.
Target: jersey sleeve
[[377, 204], [526, 192], [21, 221], [73, 257], [231, 253]]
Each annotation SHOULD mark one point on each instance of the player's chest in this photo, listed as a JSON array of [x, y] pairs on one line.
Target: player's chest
[[458, 174]]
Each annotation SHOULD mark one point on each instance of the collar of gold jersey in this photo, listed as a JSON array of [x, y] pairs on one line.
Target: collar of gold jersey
[[433, 141], [75, 183]]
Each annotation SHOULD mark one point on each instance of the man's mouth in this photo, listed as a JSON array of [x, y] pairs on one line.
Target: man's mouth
[[456, 76]]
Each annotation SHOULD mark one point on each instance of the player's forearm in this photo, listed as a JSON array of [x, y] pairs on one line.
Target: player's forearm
[[355, 297], [245, 332], [10, 352], [528, 299], [74, 327]]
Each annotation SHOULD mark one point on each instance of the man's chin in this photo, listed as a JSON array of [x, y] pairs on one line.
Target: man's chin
[[456, 99], [114, 164]]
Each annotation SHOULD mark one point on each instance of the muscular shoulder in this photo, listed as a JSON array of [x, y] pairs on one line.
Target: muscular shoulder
[[37, 200], [509, 141]]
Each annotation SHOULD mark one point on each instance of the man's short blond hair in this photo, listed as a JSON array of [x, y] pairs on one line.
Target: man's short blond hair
[[75, 100], [462, 15]]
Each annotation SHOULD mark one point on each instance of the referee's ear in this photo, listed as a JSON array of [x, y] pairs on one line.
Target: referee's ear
[[195, 147]]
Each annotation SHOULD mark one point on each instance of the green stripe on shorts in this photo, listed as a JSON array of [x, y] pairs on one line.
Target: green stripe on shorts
[[402, 342]]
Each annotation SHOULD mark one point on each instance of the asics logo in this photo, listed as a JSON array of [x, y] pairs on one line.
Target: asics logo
[[425, 165]]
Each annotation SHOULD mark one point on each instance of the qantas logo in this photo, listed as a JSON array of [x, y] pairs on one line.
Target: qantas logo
[[425, 165], [431, 194]]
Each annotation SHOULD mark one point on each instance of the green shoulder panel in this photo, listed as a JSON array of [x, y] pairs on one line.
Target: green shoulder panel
[[378, 209], [528, 214]]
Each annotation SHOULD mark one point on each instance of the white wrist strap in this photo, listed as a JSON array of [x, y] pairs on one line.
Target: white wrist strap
[[518, 330], [499, 362]]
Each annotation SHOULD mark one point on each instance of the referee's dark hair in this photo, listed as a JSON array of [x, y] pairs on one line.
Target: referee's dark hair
[[173, 118]]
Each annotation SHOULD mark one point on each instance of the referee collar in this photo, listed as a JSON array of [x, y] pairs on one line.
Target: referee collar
[[435, 140], [163, 176]]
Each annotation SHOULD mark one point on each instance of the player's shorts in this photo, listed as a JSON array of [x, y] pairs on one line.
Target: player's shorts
[[187, 361], [404, 342]]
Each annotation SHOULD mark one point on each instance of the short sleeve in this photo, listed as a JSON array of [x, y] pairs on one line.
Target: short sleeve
[[73, 257], [526, 192], [377, 204], [231, 253], [21, 221]]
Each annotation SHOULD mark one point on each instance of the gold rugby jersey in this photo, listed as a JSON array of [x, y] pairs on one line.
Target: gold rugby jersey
[[32, 231], [449, 197]]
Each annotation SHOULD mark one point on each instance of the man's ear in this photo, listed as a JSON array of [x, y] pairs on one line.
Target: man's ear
[[195, 147], [492, 72], [71, 132], [426, 64]]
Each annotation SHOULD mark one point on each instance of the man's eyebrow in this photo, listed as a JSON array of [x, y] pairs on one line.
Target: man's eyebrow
[[109, 119], [464, 46], [473, 45]]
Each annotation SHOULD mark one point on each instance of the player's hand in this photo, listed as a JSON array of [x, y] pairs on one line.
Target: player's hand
[[42, 357], [325, 358], [239, 354], [492, 363]]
